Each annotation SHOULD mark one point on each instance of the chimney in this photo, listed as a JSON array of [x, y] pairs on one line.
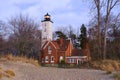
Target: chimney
[[61, 41]]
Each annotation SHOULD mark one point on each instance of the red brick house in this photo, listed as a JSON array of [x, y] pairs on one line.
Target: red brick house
[[55, 51]]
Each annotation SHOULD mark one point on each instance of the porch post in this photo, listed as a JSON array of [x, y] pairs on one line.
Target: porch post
[[77, 61]]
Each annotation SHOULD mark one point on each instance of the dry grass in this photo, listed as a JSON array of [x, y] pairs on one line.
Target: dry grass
[[117, 76], [9, 73], [0, 68], [6, 73], [34, 62], [23, 59], [107, 65], [1, 74]]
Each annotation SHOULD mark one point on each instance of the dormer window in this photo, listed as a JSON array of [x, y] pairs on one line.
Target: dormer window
[[49, 50]]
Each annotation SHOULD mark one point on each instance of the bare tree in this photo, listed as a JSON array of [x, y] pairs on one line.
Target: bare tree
[[110, 4], [103, 8], [25, 36], [93, 41], [2, 28], [113, 43], [2, 33], [69, 31], [98, 6], [113, 37]]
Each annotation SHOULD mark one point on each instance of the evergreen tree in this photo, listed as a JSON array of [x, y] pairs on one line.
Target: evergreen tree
[[82, 37], [61, 34]]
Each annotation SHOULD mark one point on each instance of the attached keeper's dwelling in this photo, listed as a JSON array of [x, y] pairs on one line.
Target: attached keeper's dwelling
[[53, 51]]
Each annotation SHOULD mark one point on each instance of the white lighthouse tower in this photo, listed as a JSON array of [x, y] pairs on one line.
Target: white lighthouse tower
[[46, 29]]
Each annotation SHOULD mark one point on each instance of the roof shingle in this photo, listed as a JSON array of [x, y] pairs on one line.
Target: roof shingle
[[78, 52]]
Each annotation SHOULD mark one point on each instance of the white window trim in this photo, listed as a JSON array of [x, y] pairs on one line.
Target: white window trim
[[51, 59], [69, 60], [49, 49], [72, 60], [46, 59]]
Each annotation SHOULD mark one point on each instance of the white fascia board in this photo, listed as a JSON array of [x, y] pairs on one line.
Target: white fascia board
[[77, 57]]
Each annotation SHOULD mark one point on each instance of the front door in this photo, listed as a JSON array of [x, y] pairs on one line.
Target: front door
[[61, 58], [78, 61]]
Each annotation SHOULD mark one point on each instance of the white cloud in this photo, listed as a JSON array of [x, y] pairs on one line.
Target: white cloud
[[63, 12], [71, 19]]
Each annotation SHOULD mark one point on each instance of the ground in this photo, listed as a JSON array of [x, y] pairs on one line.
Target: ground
[[26, 71]]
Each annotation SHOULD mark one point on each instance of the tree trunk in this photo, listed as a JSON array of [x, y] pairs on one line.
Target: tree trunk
[[99, 25], [99, 34]]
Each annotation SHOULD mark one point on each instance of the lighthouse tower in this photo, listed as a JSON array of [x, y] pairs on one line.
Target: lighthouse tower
[[46, 28]]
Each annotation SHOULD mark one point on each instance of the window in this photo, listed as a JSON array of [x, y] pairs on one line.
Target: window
[[79, 61], [72, 60], [46, 59], [49, 50], [69, 60], [45, 30], [52, 58], [75, 61]]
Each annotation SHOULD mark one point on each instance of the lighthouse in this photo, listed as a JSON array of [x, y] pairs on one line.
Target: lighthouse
[[46, 28]]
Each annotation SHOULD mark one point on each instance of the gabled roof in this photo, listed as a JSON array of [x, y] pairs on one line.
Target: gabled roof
[[78, 52], [50, 42], [47, 14], [57, 45], [64, 45], [44, 44]]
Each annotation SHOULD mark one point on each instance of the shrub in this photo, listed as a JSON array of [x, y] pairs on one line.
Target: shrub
[[62, 61], [62, 64]]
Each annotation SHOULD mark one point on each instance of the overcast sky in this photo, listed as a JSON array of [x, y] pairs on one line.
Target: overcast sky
[[63, 12]]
